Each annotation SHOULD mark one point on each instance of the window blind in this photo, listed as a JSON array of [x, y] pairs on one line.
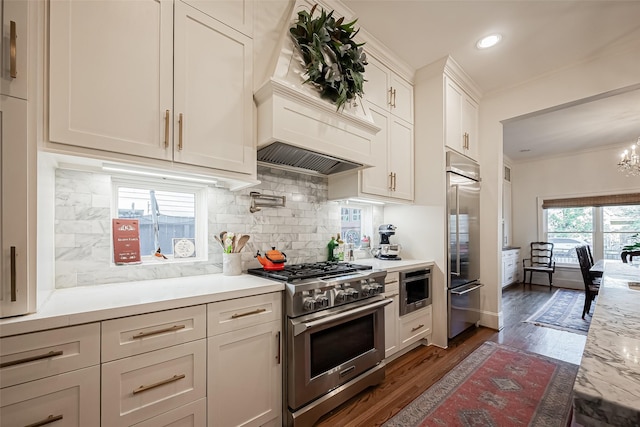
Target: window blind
[[579, 202]]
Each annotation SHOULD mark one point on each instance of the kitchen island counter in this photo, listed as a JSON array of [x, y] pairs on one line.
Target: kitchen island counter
[[393, 265], [607, 388], [74, 306]]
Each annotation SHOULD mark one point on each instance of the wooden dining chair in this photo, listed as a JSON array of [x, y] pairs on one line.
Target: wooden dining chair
[[540, 260], [591, 288]]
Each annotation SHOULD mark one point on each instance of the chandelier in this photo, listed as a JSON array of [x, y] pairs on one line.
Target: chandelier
[[630, 161]]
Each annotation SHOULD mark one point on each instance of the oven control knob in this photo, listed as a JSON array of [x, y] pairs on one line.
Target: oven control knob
[[309, 304], [322, 301], [376, 288], [351, 294], [367, 290], [341, 297]]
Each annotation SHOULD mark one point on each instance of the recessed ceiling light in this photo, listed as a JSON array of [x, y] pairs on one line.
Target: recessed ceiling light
[[488, 41]]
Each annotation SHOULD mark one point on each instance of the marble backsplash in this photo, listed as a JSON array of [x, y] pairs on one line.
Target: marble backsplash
[[302, 229]]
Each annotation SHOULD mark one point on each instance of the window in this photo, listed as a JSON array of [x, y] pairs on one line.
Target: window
[[605, 228], [351, 225], [357, 223], [167, 215]]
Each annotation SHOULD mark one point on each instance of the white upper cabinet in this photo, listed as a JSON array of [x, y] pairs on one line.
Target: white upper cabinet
[[388, 90], [461, 118], [237, 14], [17, 217], [15, 36], [123, 79], [213, 97], [111, 75]]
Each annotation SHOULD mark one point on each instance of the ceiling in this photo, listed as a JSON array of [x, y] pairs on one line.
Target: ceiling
[[538, 37]]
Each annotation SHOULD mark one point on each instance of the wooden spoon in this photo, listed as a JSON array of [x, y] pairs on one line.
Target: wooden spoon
[[241, 242]]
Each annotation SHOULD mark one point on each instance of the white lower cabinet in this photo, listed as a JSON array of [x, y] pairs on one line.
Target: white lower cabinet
[[244, 378], [415, 326], [391, 314], [510, 272], [71, 399], [193, 414]]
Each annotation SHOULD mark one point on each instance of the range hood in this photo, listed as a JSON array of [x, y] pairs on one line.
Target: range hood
[[296, 128]]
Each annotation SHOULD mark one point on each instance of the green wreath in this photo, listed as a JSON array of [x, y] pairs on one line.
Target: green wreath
[[334, 62]]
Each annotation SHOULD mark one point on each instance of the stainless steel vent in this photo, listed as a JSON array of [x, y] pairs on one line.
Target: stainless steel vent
[[281, 154]]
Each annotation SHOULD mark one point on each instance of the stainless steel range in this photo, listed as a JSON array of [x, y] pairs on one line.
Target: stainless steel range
[[334, 335]]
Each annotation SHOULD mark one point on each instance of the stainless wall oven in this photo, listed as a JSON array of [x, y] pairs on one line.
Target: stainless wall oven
[[415, 290]]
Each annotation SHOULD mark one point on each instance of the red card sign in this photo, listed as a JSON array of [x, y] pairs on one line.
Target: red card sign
[[126, 241]]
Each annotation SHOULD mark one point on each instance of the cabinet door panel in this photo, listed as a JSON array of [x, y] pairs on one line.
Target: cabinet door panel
[[111, 65], [376, 87], [244, 376], [375, 180], [469, 124], [453, 105], [238, 14], [213, 93], [18, 208], [402, 99], [401, 159], [391, 319], [74, 396], [15, 11]]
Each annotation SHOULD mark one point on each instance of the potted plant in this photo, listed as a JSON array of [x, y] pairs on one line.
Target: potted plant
[[334, 62], [632, 250]]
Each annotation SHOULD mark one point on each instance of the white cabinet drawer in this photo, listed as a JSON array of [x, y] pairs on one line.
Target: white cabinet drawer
[[231, 315], [140, 387], [38, 355], [72, 399], [415, 326], [133, 335], [191, 415], [392, 282]]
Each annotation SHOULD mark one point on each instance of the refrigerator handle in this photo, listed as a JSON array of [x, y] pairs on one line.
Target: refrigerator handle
[[457, 272]]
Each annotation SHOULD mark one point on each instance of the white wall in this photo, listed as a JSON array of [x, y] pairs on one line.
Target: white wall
[[613, 70]]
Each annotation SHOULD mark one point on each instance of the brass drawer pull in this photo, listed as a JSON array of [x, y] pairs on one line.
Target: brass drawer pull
[[158, 384], [393, 296], [31, 359], [417, 327], [180, 123], [166, 128], [14, 295], [259, 310], [13, 67], [159, 331], [50, 419]]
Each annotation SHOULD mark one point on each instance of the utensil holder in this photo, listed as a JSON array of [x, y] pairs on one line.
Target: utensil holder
[[232, 264]]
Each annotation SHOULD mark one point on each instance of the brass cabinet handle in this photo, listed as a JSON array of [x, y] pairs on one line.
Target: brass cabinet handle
[[278, 344], [14, 289], [249, 313], [31, 359], [391, 296], [167, 113], [395, 181], [159, 383], [390, 91], [390, 180], [394, 99], [50, 419], [13, 66], [417, 327], [159, 331], [390, 282], [180, 121]]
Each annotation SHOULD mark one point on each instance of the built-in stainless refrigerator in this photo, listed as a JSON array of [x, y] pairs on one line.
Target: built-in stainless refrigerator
[[463, 248]]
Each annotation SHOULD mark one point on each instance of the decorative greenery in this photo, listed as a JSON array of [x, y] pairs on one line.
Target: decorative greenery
[[334, 62], [634, 246]]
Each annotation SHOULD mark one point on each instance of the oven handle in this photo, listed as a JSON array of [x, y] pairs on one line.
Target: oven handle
[[466, 291], [299, 328], [416, 278]]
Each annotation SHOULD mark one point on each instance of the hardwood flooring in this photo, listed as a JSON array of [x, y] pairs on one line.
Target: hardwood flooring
[[410, 375]]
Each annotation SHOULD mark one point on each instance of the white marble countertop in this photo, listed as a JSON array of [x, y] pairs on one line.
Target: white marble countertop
[[85, 304], [393, 265], [607, 388]]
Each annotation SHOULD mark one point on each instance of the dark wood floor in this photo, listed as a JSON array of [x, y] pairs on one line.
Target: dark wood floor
[[410, 375]]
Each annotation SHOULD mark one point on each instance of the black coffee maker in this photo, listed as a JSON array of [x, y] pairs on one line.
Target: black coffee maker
[[387, 250]]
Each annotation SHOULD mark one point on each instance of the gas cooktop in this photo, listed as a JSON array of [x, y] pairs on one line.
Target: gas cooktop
[[294, 272]]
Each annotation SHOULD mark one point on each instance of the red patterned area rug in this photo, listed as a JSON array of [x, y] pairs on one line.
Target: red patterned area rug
[[496, 386]]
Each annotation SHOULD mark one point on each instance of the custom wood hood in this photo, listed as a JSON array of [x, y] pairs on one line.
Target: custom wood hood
[[298, 129]]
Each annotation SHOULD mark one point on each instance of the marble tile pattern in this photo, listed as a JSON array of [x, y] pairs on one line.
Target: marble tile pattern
[[607, 388], [302, 229]]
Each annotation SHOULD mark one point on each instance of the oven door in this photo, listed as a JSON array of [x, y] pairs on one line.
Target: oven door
[[329, 348]]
